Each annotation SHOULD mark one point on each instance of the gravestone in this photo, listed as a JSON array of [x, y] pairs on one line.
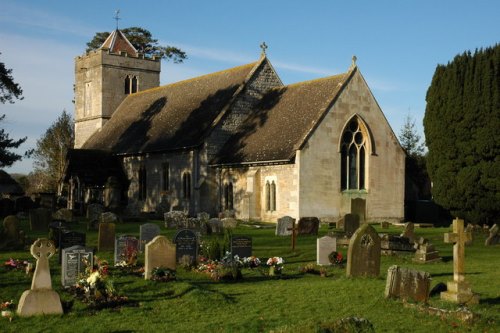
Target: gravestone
[[470, 229], [186, 244], [174, 219], [340, 224], [283, 226], [308, 226], [493, 237], [363, 255], [324, 246], [11, 228], [241, 246], [40, 299], [6, 207], [203, 217], [459, 290], [106, 237], [229, 223], [55, 229], [75, 260], [109, 217], [69, 239], [391, 244], [64, 214], [407, 284], [216, 226], [126, 247], [351, 224], [358, 207], [160, 252], [425, 251], [409, 232], [147, 232], [203, 223], [40, 219], [94, 211]]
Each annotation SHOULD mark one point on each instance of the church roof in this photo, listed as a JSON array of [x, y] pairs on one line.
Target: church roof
[[174, 116], [283, 121], [117, 42]]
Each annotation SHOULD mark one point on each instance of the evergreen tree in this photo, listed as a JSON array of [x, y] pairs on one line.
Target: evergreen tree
[[143, 42], [50, 152], [461, 126]]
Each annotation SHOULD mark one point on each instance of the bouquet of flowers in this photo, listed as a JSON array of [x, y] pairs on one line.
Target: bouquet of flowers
[[162, 274], [251, 262], [7, 309], [275, 265], [336, 258]]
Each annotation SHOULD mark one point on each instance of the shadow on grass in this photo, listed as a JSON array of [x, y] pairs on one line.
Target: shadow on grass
[[451, 274], [447, 258], [490, 301]]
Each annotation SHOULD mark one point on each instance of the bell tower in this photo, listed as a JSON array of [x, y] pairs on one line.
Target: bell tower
[[104, 78]]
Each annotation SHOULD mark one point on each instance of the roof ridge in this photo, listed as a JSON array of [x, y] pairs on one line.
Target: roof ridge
[[316, 80]]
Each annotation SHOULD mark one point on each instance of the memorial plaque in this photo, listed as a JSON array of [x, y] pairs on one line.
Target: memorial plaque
[[69, 239], [75, 260], [241, 246], [126, 248], [148, 231], [186, 244]]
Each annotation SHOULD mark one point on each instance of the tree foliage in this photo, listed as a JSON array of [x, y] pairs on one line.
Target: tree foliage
[[7, 157], [8, 88], [461, 125], [50, 152], [143, 42]]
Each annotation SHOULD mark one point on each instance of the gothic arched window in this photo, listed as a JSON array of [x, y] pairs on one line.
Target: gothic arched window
[[353, 156], [270, 195], [228, 196], [127, 85], [186, 185], [142, 182], [134, 86]]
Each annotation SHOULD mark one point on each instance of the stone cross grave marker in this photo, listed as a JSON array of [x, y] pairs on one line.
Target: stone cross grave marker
[[324, 246], [69, 239], [308, 226], [458, 290], [294, 231], [426, 252], [351, 224], [147, 232], [407, 283], [283, 226], [160, 252], [126, 248], [106, 237], [409, 232], [186, 244], [241, 246], [40, 299], [75, 260], [363, 255]]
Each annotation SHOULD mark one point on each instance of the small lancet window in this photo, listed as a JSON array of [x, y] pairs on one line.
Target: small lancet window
[[127, 85], [134, 85], [186, 185], [228, 196]]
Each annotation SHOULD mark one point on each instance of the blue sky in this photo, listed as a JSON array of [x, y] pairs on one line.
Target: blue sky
[[398, 45]]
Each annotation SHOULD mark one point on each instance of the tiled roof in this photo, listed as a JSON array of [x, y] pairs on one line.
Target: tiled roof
[[117, 42], [170, 117], [283, 121]]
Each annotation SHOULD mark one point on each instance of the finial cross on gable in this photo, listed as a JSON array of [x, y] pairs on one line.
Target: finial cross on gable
[[459, 237], [117, 17], [263, 46]]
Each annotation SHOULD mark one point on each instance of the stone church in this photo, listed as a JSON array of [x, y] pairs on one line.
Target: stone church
[[238, 140]]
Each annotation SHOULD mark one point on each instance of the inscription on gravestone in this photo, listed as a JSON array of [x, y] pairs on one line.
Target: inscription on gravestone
[[241, 246], [186, 244], [75, 260]]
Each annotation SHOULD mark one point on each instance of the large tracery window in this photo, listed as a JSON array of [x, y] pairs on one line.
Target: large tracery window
[[353, 157]]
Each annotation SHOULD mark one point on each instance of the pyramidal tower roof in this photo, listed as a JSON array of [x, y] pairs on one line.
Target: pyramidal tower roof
[[117, 42]]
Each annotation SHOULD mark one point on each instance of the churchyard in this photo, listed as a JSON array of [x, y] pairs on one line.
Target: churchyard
[[297, 295]]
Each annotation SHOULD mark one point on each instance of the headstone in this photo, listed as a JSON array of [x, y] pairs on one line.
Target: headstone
[[64, 214], [186, 244], [24, 204], [40, 219], [308, 226], [241, 246], [94, 211], [425, 251], [203, 223], [324, 246], [11, 227], [106, 237], [6, 207], [363, 255], [340, 224], [283, 226], [55, 229], [174, 219], [229, 223], [384, 225], [203, 217], [69, 239], [493, 238], [75, 260], [391, 244], [160, 252], [126, 247], [409, 232], [470, 229], [216, 226], [459, 290], [407, 284], [109, 217], [41, 299], [351, 224], [147, 231]]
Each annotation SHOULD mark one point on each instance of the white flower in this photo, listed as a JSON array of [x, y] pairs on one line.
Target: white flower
[[92, 279]]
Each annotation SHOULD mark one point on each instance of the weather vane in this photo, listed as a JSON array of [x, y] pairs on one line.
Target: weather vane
[[263, 46], [117, 17]]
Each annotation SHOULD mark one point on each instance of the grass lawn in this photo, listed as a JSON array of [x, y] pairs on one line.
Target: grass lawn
[[295, 303]]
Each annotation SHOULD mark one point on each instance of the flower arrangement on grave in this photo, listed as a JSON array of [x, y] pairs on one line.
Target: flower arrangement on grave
[[275, 265], [162, 274], [228, 268], [251, 262], [129, 254], [7, 309], [336, 258], [17, 264]]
